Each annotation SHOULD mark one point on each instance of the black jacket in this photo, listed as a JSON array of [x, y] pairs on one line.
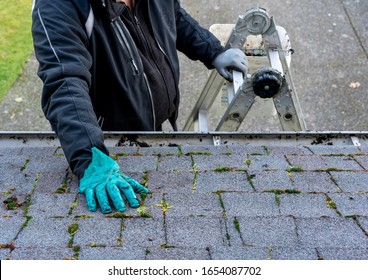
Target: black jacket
[[93, 76]]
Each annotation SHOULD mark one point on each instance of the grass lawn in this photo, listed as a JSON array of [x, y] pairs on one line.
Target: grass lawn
[[15, 40]]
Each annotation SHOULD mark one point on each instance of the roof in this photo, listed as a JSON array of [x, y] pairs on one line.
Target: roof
[[255, 196]]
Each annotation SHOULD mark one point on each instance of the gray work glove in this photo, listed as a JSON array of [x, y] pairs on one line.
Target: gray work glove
[[231, 59]]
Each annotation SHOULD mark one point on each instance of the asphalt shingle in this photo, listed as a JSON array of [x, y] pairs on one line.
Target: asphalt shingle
[[305, 205], [330, 232], [44, 232]]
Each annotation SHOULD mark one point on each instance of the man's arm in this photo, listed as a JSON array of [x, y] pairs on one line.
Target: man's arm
[[60, 42]]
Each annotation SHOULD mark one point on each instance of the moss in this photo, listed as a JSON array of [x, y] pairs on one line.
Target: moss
[[80, 217], [223, 169], [221, 202], [9, 191], [237, 225], [25, 164], [228, 236], [287, 191], [76, 250], [73, 205], [180, 151], [73, 228], [266, 150], [194, 186], [120, 241], [12, 203], [270, 252], [248, 162], [62, 188], [164, 206], [277, 198], [95, 245], [142, 211], [200, 153], [250, 180], [118, 215], [332, 205], [144, 182], [166, 246], [295, 169]]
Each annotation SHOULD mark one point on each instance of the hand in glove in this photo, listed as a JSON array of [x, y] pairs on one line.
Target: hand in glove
[[231, 59], [103, 179]]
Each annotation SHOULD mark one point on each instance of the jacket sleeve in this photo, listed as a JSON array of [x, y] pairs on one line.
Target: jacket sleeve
[[60, 43], [195, 41]]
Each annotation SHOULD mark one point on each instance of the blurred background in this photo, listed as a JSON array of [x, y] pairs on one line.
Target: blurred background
[[329, 66]]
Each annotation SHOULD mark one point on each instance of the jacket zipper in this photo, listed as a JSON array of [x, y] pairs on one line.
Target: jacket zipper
[[124, 43], [117, 26], [149, 50], [164, 53]]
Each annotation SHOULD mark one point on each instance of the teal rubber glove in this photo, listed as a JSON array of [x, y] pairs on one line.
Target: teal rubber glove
[[231, 59], [103, 179]]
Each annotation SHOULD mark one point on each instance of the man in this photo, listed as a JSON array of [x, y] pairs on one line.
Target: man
[[113, 65]]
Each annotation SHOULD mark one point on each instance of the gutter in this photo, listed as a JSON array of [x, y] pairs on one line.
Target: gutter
[[166, 138]]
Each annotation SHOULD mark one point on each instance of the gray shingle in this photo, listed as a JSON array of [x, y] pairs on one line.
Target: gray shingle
[[239, 253], [207, 182], [250, 204], [294, 253], [143, 232], [44, 232], [305, 205], [272, 162], [334, 150], [112, 253], [212, 162], [4, 254], [343, 253], [197, 232], [271, 180], [97, 232], [362, 160], [351, 204], [175, 163], [137, 163], [51, 205], [193, 204], [9, 228], [330, 232], [351, 181], [185, 253], [170, 181], [308, 182], [268, 232], [307, 162], [42, 253], [341, 163]]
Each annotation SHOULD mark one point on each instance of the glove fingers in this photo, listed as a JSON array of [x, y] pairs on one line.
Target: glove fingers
[[138, 188], [129, 193], [115, 196], [241, 66], [90, 199], [226, 74], [102, 199]]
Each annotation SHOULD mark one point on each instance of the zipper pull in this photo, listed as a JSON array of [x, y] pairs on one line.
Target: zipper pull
[[136, 20], [103, 3]]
